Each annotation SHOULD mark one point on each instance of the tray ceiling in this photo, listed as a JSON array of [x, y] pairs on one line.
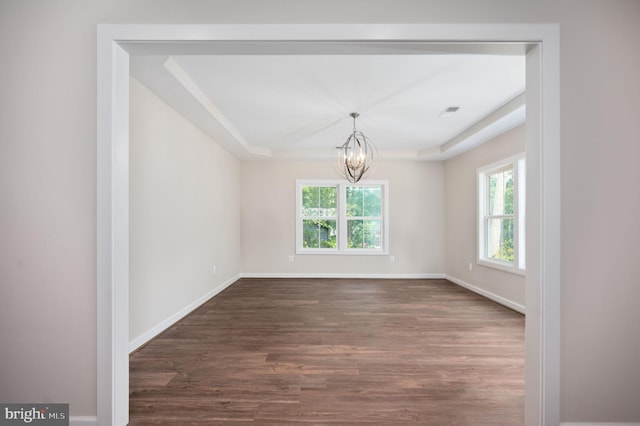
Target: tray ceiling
[[298, 105]]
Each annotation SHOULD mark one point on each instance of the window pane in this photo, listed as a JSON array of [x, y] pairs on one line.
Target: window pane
[[309, 197], [354, 201], [319, 201], [364, 234], [501, 193], [372, 201], [364, 201], [319, 233], [500, 239], [327, 195]]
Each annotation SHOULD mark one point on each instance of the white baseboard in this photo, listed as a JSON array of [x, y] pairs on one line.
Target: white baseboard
[[83, 420], [489, 295], [598, 424], [153, 332], [339, 275]]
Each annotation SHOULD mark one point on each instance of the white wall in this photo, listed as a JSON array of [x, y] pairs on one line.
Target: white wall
[[416, 194], [48, 181], [184, 204], [462, 221]]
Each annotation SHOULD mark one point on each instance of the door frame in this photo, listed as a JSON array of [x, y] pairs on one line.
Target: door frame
[[542, 393]]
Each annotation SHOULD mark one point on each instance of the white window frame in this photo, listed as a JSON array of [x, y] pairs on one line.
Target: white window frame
[[341, 226], [518, 164]]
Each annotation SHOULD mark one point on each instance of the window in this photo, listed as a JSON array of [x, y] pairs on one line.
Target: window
[[337, 217], [319, 216], [501, 215]]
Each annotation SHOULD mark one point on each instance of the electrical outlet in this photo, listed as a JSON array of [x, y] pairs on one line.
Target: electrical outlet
[[215, 269], [471, 266], [291, 258], [392, 259]]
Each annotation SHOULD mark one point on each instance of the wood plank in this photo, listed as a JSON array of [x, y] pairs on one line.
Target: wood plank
[[335, 351]]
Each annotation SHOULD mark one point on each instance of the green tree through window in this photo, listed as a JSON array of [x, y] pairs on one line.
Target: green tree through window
[[501, 215], [319, 216], [364, 217], [336, 217], [500, 241]]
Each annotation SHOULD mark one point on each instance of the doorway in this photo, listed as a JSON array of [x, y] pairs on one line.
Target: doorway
[[117, 42]]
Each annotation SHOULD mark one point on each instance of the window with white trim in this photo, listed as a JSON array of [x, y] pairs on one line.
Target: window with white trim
[[501, 215], [338, 217]]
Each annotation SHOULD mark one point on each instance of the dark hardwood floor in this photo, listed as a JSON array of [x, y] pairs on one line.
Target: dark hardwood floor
[[318, 351]]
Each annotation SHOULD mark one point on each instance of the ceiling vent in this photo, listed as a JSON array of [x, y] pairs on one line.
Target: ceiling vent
[[449, 111]]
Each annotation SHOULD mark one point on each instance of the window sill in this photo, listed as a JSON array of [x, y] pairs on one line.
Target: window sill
[[502, 267], [353, 252]]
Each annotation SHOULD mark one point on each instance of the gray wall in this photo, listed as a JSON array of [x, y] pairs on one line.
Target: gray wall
[[416, 194], [462, 220], [184, 214], [48, 181]]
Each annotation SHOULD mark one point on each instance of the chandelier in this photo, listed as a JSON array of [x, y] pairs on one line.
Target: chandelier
[[356, 155]]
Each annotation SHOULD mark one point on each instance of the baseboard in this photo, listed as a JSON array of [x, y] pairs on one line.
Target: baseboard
[[598, 424], [83, 420], [341, 275], [489, 295], [153, 332]]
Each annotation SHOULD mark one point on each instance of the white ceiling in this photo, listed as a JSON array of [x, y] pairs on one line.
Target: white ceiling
[[298, 105]]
